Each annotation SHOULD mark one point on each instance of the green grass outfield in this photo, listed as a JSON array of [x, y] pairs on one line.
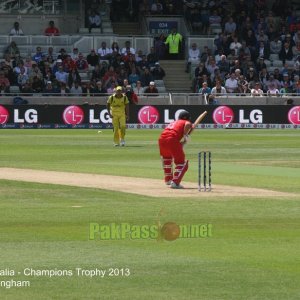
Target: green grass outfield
[[253, 253]]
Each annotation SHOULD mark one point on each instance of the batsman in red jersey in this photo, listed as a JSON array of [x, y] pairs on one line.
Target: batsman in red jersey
[[171, 142]]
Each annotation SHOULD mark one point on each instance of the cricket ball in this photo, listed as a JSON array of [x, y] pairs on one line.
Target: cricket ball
[[170, 231]]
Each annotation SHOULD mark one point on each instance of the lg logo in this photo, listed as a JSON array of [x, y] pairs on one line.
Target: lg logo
[[73, 115], [4, 115], [294, 115], [225, 115]]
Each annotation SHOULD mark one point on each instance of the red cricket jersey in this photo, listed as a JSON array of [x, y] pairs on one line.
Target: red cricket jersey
[[174, 130]]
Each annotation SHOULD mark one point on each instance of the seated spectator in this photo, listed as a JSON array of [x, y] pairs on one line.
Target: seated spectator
[[37, 84], [152, 57], [111, 87], [16, 30], [151, 89], [272, 82], [243, 85], [211, 66], [204, 90], [99, 89], [73, 76], [194, 57], [296, 50], [26, 89], [104, 52], [146, 77], [286, 82], [138, 89], [35, 72], [263, 50], [92, 58], [230, 26], [235, 45], [94, 21], [115, 49], [88, 88], [4, 83], [76, 89], [81, 63], [97, 73], [218, 89], [75, 53], [13, 50], [257, 91], [286, 89], [61, 76], [69, 64], [262, 37], [296, 85], [37, 57], [110, 75], [223, 66], [63, 90], [62, 54], [275, 45], [127, 49], [133, 77], [231, 84], [158, 72], [50, 54], [138, 55], [286, 52], [22, 78], [132, 97], [272, 91], [142, 64], [49, 90], [260, 64], [214, 20], [52, 30]]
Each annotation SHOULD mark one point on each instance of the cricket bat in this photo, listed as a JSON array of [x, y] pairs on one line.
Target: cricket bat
[[198, 120]]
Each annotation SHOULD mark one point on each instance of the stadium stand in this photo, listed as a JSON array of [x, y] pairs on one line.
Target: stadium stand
[[200, 22]]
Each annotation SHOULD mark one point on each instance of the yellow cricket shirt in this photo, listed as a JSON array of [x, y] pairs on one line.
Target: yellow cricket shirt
[[117, 105]]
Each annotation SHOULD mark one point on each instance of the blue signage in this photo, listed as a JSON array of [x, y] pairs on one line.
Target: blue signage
[[159, 27]]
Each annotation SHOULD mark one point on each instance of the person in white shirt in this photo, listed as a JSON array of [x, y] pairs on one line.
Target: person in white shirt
[[127, 49], [104, 52], [218, 89], [16, 30], [194, 57], [257, 91], [235, 45], [231, 84]]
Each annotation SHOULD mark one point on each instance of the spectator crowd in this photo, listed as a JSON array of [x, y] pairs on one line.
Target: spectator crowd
[[256, 51]]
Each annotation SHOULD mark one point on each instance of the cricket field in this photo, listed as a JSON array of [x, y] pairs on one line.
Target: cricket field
[[81, 219]]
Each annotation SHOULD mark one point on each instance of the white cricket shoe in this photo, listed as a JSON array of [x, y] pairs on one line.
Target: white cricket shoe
[[176, 186], [122, 143], [116, 145], [168, 182]]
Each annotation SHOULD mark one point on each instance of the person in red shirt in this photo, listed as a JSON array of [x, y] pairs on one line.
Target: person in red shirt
[[52, 30], [171, 142]]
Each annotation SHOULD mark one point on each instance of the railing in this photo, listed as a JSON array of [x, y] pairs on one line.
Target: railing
[[152, 99]]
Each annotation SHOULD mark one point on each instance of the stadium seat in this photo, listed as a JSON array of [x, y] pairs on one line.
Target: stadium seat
[[161, 89], [277, 63], [159, 83], [274, 56], [83, 30], [267, 62]]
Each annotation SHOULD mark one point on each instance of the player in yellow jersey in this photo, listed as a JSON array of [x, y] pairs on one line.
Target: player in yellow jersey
[[118, 109]]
